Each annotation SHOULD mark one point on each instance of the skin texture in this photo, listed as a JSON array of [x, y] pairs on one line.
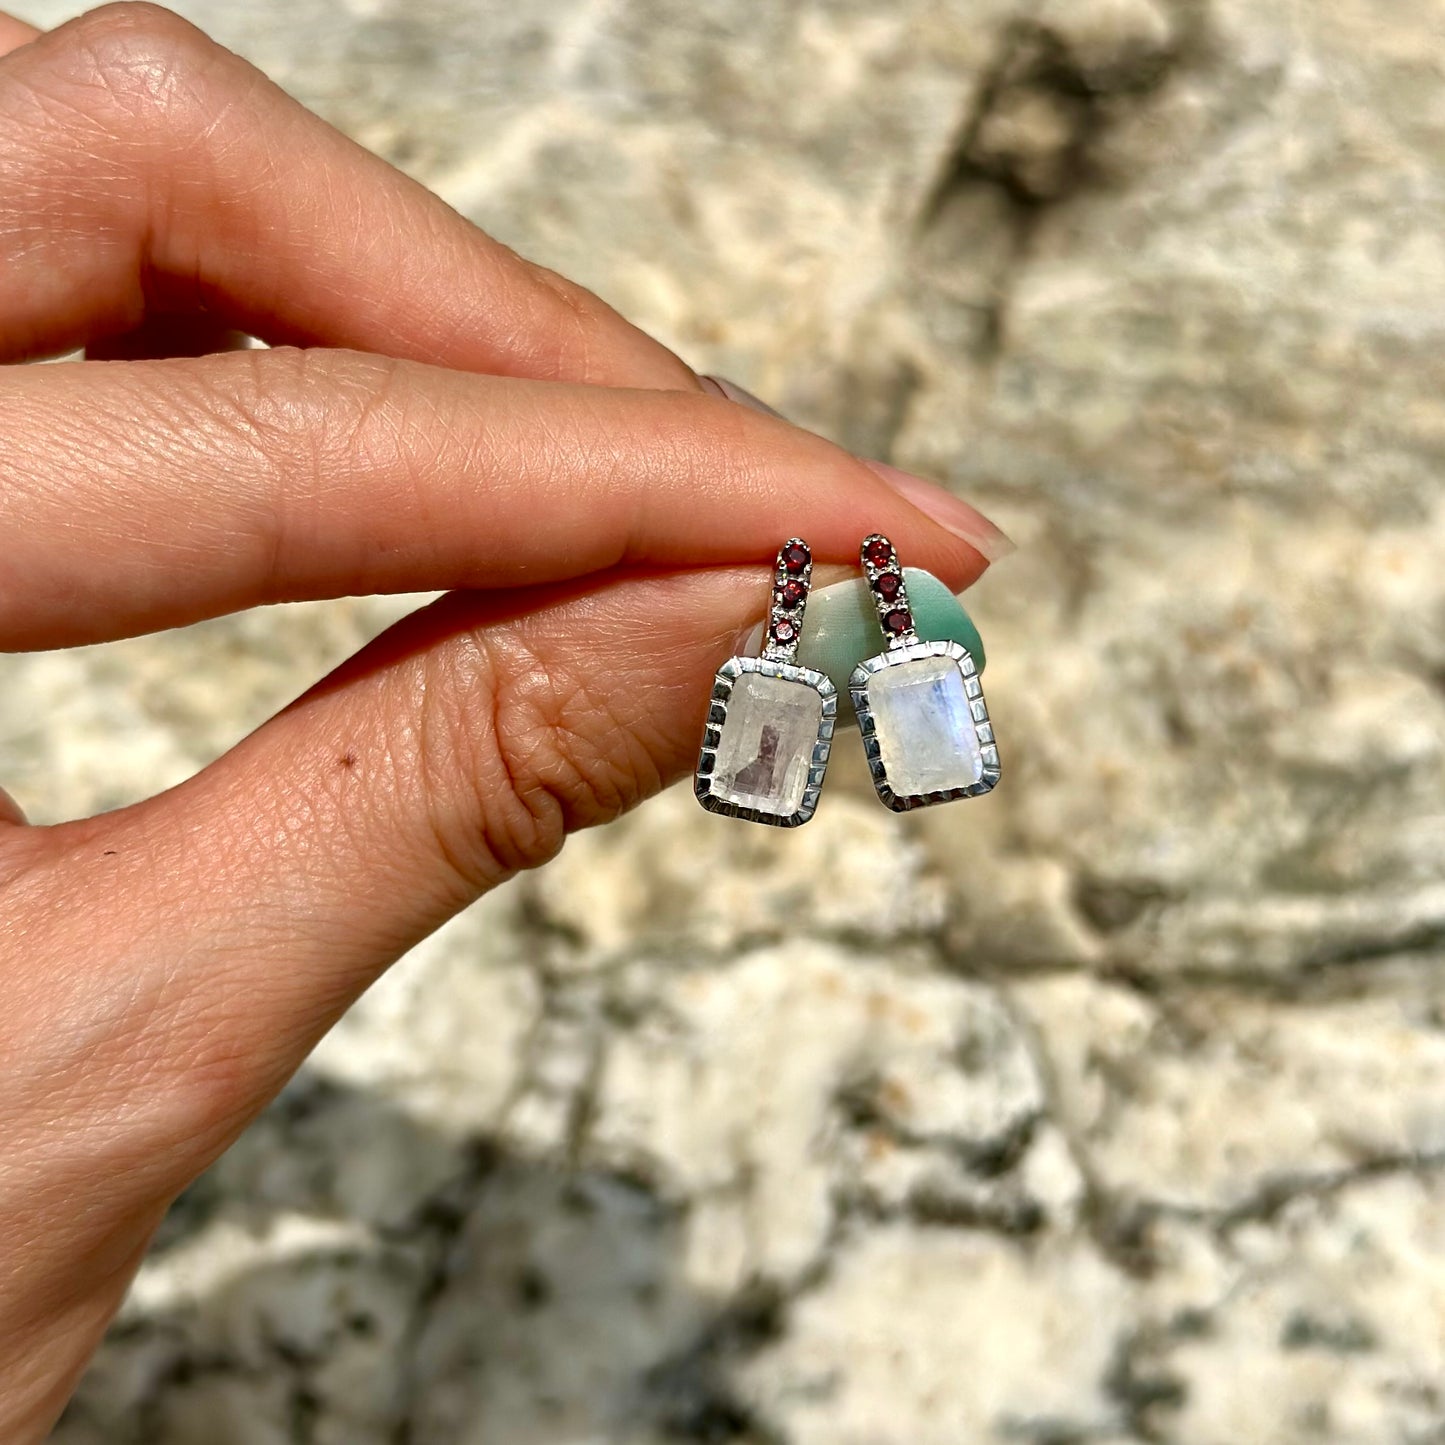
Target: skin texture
[[437, 414]]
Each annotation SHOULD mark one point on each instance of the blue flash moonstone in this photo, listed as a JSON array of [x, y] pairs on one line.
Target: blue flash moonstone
[[927, 739]]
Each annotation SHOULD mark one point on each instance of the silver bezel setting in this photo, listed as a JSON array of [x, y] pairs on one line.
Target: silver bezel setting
[[722, 691], [898, 656]]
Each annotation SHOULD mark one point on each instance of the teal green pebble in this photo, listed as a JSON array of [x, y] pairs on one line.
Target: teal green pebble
[[840, 627]]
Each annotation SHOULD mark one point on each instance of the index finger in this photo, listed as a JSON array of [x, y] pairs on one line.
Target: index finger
[[147, 169]]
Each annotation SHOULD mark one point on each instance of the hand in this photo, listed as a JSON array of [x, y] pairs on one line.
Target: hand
[[438, 413]]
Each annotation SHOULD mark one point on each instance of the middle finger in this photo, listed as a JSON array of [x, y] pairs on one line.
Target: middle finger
[[142, 495]]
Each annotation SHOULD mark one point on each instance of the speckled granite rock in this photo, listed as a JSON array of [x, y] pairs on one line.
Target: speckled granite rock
[[1106, 1109]]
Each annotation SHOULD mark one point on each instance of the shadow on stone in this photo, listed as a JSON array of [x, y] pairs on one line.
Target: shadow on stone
[[348, 1273]]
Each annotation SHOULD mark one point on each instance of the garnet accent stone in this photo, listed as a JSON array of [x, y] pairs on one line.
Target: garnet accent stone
[[784, 630], [899, 620], [795, 558], [792, 593], [888, 584], [879, 553]]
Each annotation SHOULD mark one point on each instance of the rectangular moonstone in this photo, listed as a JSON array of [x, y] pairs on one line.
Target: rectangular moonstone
[[767, 742], [926, 734]]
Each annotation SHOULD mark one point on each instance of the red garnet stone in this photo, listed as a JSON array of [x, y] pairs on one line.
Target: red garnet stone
[[795, 558], [791, 593], [888, 584], [784, 630], [899, 620], [878, 552]]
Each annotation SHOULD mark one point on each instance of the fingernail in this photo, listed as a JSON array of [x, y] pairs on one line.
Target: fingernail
[[950, 512], [721, 386], [840, 627]]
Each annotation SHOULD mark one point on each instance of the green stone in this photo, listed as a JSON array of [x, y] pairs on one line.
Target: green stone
[[841, 627]]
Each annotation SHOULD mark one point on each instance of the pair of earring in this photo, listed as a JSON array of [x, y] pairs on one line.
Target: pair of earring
[[920, 709]]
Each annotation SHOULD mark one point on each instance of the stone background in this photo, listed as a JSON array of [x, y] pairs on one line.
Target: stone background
[[1108, 1109]]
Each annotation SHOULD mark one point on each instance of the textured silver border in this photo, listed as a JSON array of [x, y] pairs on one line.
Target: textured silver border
[[897, 657], [722, 691]]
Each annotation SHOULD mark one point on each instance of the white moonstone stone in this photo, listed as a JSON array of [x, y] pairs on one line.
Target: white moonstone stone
[[767, 743], [926, 734]]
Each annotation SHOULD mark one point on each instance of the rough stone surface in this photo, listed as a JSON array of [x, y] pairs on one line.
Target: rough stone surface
[[1107, 1108]]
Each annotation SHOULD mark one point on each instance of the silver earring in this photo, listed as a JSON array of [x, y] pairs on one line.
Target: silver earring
[[770, 722], [920, 705]]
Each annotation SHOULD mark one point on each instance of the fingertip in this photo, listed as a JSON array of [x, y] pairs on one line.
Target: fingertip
[[731, 391], [982, 541], [14, 33], [10, 811], [951, 512]]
